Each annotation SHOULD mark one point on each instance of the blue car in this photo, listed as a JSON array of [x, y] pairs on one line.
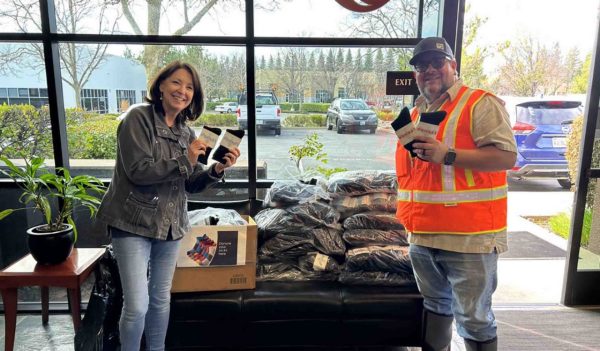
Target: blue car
[[540, 129]]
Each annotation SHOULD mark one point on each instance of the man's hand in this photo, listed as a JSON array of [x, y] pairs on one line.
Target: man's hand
[[195, 149], [230, 158], [430, 149]]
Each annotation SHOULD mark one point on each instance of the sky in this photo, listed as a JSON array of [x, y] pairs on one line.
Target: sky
[[571, 23]]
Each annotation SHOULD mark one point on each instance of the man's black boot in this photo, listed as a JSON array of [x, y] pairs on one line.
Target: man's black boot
[[490, 345], [438, 332]]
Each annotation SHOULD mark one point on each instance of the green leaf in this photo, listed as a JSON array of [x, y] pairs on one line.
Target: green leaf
[[6, 213], [72, 222]]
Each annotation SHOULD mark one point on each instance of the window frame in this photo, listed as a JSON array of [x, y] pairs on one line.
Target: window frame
[[451, 22]]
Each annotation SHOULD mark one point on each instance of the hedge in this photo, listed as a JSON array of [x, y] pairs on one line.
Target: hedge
[[216, 120], [305, 107], [304, 120], [93, 139], [572, 156]]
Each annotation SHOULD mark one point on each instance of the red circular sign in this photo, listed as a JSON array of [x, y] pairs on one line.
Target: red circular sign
[[362, 5]]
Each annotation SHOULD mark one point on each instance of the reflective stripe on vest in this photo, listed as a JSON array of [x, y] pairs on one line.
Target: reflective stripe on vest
[[455, 197]]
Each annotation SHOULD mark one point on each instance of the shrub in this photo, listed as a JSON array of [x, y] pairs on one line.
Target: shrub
[[572, 156], [96, 138], [307, 121], [561, 225], [25, 131], [216, 120], [314, 107], [385, 116]]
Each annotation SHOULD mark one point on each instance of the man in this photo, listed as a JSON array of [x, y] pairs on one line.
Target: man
[[452, 200]]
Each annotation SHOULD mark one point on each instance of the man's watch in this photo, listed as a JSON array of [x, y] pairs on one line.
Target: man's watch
[[450, 157]]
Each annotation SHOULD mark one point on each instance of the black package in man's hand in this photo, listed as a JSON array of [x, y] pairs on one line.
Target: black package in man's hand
[[231, 139], [429, 123], [405, 130], [208, 136]]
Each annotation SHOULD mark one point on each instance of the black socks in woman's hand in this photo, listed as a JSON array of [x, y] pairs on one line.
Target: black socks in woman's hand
[[231, 139], [208, 136]]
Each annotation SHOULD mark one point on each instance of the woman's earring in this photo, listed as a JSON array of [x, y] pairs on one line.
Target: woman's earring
[[161, 94]]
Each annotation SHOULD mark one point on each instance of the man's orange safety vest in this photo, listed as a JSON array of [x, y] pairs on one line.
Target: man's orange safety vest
[[434, 198]]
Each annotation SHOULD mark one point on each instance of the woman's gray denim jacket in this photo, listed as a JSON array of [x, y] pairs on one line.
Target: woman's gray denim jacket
[[147, 194]]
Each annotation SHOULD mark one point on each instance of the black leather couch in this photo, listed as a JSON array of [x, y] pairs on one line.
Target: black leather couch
[[298, 315]]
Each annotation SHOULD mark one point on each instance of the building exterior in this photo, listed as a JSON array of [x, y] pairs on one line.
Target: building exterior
[[116, 84]]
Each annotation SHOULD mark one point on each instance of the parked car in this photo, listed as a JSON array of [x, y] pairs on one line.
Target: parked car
[[226, 107], [540, 129], [351, 114], [268, 111]]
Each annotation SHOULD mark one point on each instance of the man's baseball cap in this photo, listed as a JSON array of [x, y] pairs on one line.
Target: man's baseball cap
[[431, 44]]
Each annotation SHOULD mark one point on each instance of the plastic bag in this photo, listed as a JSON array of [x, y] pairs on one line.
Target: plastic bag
[[100, 325], [373, 220], [350, 205], [352, 183], [369, 237], [208, 216], [285, 271], [391, 258], [317, 262], [288, 247], [329, 241], [299, 219], [376, 278], [90, 336], [285, 193]]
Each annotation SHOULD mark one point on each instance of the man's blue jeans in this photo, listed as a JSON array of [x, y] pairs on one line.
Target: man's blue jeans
[[146, 267], [458, 284]]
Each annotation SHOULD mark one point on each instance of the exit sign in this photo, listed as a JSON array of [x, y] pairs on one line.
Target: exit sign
[[401, 83]]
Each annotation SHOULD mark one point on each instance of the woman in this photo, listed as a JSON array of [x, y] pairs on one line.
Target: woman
[[145, 205]]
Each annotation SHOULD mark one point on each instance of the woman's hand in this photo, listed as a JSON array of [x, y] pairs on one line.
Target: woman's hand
[[230, 158], [195, 149]]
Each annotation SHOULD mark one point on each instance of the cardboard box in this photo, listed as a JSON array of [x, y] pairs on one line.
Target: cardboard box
[[215, 258]]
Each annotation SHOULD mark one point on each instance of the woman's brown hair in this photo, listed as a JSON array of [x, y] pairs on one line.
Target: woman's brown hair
[[196, 107]]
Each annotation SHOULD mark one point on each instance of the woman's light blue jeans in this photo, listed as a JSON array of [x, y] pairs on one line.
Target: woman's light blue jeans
[[459, 284], [146, 267]]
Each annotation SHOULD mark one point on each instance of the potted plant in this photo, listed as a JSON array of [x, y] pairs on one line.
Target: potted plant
[[52, 242]]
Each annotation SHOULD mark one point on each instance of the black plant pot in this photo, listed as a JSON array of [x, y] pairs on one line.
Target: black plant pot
[[50, 247]]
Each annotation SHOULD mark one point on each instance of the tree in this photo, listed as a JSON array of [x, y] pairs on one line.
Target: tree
[[294, 74], [531, 69], [78, 61], [398, 19], [473, 57], [193, 11], [580, 81]]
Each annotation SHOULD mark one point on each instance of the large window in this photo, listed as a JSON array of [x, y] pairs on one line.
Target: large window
[[125, 98], [94, 100], [36, 97], [307, 53]]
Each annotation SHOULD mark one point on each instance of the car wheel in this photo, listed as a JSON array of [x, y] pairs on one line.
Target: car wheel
[[228, 110], [372, 130], [565, 183], [329, 125], [340, 129], [278, 131]]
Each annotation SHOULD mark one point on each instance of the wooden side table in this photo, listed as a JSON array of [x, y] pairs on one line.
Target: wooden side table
[[26, 272]]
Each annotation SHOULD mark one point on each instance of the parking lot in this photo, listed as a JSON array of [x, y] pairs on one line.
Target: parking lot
[[352, 151]]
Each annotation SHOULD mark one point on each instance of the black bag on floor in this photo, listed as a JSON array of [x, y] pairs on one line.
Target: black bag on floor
[[99, 329]]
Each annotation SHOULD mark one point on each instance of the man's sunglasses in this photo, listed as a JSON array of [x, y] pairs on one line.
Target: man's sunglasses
[[436, 63]]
